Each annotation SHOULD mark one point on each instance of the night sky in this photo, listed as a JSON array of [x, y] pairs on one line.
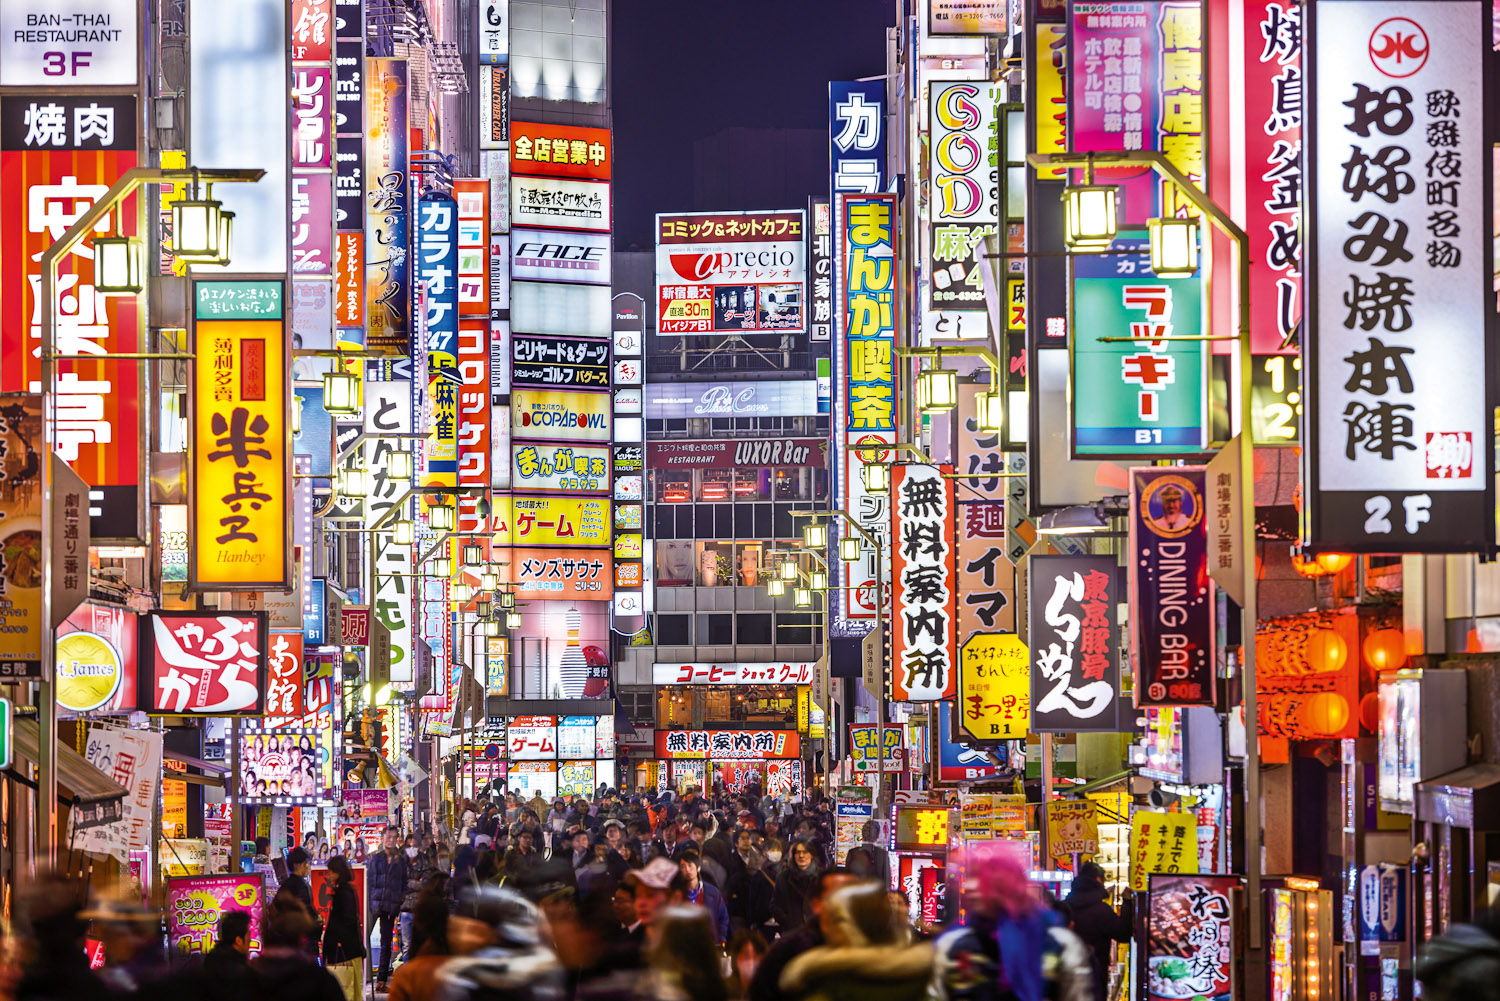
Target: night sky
[[684, 69]]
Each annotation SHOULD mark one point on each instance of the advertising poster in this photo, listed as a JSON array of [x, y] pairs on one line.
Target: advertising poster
[[924, 652], [560, 203], [729, 454], [562, 362], [560, 151], [854, 806], [96, 660], [1190, 949], [194, 904], [132, 759], [727, 744], [1161, 843], [955, 760], [557, 415], [559, 573], [21, 537], [964, 179], [553, 521], [387, 215], [864, 738], [1074, 643], [437, 268], [554, 255], [1399, 452], [1072, 828], [743, 272], [320, 882], [1137, 398], [281, 767], [200, 664], [1171, 592]]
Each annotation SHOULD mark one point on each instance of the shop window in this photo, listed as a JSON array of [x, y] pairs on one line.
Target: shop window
[[749, 556], [716, 630], [755, 629], [715, 484], [763, 521], [723, 521], [674, 630], [676, 425], [783, 525], [672, 486], [664, 521], [715, 564]]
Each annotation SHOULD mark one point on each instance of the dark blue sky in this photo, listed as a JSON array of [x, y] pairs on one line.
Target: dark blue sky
[[684, 70]]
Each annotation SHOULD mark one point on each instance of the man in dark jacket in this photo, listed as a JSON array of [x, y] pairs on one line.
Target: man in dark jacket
[[869, 858], [1464, 962], [387, 873], [766, 985], [705, 895], [1096, 922], [298, 865], [227, 966]]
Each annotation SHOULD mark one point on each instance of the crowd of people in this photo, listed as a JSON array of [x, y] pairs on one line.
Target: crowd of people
[[622, 898]]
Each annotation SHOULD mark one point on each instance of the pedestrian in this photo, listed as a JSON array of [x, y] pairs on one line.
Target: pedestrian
[[766, 984], [387, 875], [343, 939], [1096, 923], [869, 858], [1011, 947], [1463, 963], [862, 958], [226, 969], [286, 972], [652, 888], [498, 951], [746, 950], [683, 959], [419, 870], [797, 884], [704, 895], [56, 967], [416, 979]]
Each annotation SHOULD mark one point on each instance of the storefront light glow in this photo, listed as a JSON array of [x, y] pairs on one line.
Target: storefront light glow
[[507, 600], [489, 581], [802, 597], [818, 580], [937, 390]]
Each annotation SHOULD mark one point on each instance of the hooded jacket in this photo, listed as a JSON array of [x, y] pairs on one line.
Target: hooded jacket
[[1463, 963], [849, 967]]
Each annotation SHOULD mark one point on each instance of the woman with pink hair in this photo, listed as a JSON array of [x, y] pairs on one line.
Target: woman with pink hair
[[1012, 946]]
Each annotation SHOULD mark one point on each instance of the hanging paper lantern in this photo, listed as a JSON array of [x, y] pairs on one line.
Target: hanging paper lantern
[[1324, 714], [1325, 651], [1307, 566], [1334, 562], [1369, 713], [1385, 649]]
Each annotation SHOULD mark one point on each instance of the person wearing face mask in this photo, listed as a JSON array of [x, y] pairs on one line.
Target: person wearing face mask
[[795, 887], [419, 869], [746, 950]]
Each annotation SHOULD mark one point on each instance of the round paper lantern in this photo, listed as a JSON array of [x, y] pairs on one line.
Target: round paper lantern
[[1334, 562], [1385, 649], [1307, 566], [1324, 714], [1325, 651], [1369, 712]]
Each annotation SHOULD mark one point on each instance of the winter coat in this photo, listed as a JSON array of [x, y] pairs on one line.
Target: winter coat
[[502, 973], [1097, 924], [342, 939], [387, 882], [418, 871], [712, 901], [795, 889], [968, 965], [287, 975], [1462, 964], [869, 972]]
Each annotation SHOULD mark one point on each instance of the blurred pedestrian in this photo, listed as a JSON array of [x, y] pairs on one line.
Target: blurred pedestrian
[[683, 958], [746, 950], [286, 972], [1463, 963], [343, 939], [226, 967], [387, 876], [766, 984], [704, 895], [497, 942], [416, 979], [862, 958], [419, 870], [56, 968], [1096, 923]]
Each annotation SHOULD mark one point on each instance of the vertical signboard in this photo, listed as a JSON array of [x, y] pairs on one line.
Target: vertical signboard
[[1074, 646], [58, 156], [437, 273], [494, 73], [1138, 397], [925, 631], [388, 411], [964, 179], [1171, 592], [820, 268], [387, 267], [994, 698], [21, 538], [239, 480], [856, 136], [1399, 442]]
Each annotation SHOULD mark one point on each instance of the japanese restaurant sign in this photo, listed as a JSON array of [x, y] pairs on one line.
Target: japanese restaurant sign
[[437, 266], [284, 696], [240, 479], [1171, 592], [1399, 454], [994, 697], [924, 632], [1161, 842], [197, 663], [1190, 947], [727, 744], [730, 454], [1074, 646]]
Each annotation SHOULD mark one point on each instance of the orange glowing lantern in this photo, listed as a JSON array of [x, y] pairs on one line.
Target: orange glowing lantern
[[1369, 712], [1385, 649], [1334, 562], [1307, 566], [1324, 714], [1325, 651]]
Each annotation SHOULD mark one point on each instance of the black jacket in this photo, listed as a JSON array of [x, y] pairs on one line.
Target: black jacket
[[794, 889], [387, 882], [342, 939], [297, 887], [766, 984], [290, 976], [1094, 921]]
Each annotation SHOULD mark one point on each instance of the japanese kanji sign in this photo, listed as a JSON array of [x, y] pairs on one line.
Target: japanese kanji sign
[[563, 362], [437, 277], [194, 663], [964, 180], [864, 744], [569, 468], [1161, 842], [867, 303], [552, 521], [1171, 592], [1139, 397], [731, 454], [1072, 828], [58, 155], [239, 486], [1074, 671], [994, 692], [742, 272], [727, 744], [531, 738], [1190, 947], [820, 279], [556, 415], [387, 208], [560, 203], [1400, 337], [924, 634], [559, 573], [559, 151], [774, 673], [284, 676]]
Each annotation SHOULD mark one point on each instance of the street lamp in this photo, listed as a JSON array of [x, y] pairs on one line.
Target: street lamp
[[403, 532], [775, 587], [462, 592], [1174, 247], [818, 580], [440, 517], [937, 390], [850, 547], [442, 566], [484, 607], [341, 393], [789, 570], [815, 535], [117, 264], [473, 555], [876, 476], [513, 620], [989, 411], [492, 628], [353, 481], [802, 597], [489, 580], [507, 600], [1089, 215], [199, 231], [399, 465]]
